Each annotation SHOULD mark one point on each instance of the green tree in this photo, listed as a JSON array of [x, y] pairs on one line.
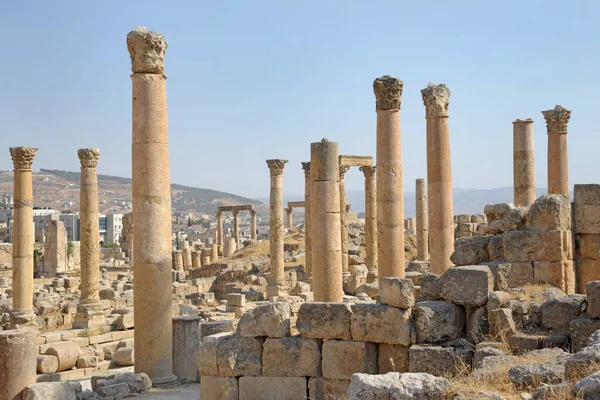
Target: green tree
[[70, 251]]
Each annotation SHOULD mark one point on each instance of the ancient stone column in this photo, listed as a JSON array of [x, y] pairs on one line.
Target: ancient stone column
[[205, 257], [422, 231], [253, 225], [22, 238], [390, 198], [196, 259], [89, 310], [186, 253], [307, 223], [220, 228], [214, 253], [412, 222], [151, 207], [439, 177], [370, 222], [229, 248], [523, 163], [236, 228], [344, 222], [17, 362], [290, 220], [177, 260], [558, 161], [277, 233], [326, 242]]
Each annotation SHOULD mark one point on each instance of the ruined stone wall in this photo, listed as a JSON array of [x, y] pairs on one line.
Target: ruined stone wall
[[524, 245], [468, 225], [586, 227]]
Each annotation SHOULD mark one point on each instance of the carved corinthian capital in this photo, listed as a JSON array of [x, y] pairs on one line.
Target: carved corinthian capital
[[388, 93], [276, 166], [147, 51], [343, 169], [23, 156], [436, 99], [557, 119], [306, 168], [88, 157], [368, 171]]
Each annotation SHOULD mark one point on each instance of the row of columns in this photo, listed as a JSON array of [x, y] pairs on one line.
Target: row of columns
[[236, 226]]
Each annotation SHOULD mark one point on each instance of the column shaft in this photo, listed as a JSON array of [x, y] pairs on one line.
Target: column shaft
[[523, 163], [253, 226], [151, 208], [236, 229], [22, 237], [220, 228], [277, 232], [422, 230], [370, 222], [326, 242], [290, 220], [344, 222], [17, 362], [557, 120], [307, 222]]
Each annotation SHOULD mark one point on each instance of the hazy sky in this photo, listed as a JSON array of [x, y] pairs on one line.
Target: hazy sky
[[252, 80]]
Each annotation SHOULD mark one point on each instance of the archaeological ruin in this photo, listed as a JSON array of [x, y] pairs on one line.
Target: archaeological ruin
[[427, 306]]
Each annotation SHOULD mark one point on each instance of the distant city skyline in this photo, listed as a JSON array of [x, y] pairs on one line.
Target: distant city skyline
[[260, 80]]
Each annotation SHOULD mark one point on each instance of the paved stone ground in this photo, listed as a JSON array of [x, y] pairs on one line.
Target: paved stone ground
[[189, 391]]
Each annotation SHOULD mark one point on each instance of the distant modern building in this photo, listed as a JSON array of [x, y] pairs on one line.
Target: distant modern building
[[114, 227], [72, 225]]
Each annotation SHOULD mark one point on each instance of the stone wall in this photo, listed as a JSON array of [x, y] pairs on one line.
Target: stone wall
[[586, 226], [524, 245], [467, 225]]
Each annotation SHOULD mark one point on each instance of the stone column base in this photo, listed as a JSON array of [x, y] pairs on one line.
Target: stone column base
[[372, 275], [22, 319], [89, 316], [163, 381], [275, 291]]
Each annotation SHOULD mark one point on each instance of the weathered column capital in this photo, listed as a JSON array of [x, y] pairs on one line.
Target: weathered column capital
[[523, 121], [369, 171], [23, 156], [436, 99], [388, 93], [235, 212], [289, 210], [253, 213], [557, 119], [348, 206], [88, 157], [343, 169], [276, 166], [219, 213], [147, 51], [306, 168]]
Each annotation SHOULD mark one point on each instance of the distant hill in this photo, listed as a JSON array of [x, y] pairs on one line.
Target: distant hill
[[60, 190], [466, 201]]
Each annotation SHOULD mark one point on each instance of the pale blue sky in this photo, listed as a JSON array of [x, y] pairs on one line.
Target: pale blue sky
[[252, 80]]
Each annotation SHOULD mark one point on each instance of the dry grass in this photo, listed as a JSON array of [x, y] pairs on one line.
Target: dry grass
[[531, 292]]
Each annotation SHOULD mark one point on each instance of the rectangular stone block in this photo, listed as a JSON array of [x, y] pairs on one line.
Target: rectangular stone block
[[439, 321], [439, 361], [269, 388], [587, 271], [551, 273], [397, 292], [213, 388], [320, 388], [588, 246], [291, 356], [467, 285], [239, 356], [236, 299], [587, 218], [324, 321], [522, 246], [592, 290], [580, 330], [341, 359], [381, 324], [207, 355], [586, 194], [519, 274], [392, 358]]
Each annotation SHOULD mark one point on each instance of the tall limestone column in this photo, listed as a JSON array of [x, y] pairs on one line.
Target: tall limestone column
[[370, 222], [277, 233], [22, 238], [390, 198], [253, 225], [151, 208], [436, 99], [523, 163], [326, 242], [422, 231], [89, 310], [344, 222], [307, 223], [558, 160], [220, 228], [236, 228]]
